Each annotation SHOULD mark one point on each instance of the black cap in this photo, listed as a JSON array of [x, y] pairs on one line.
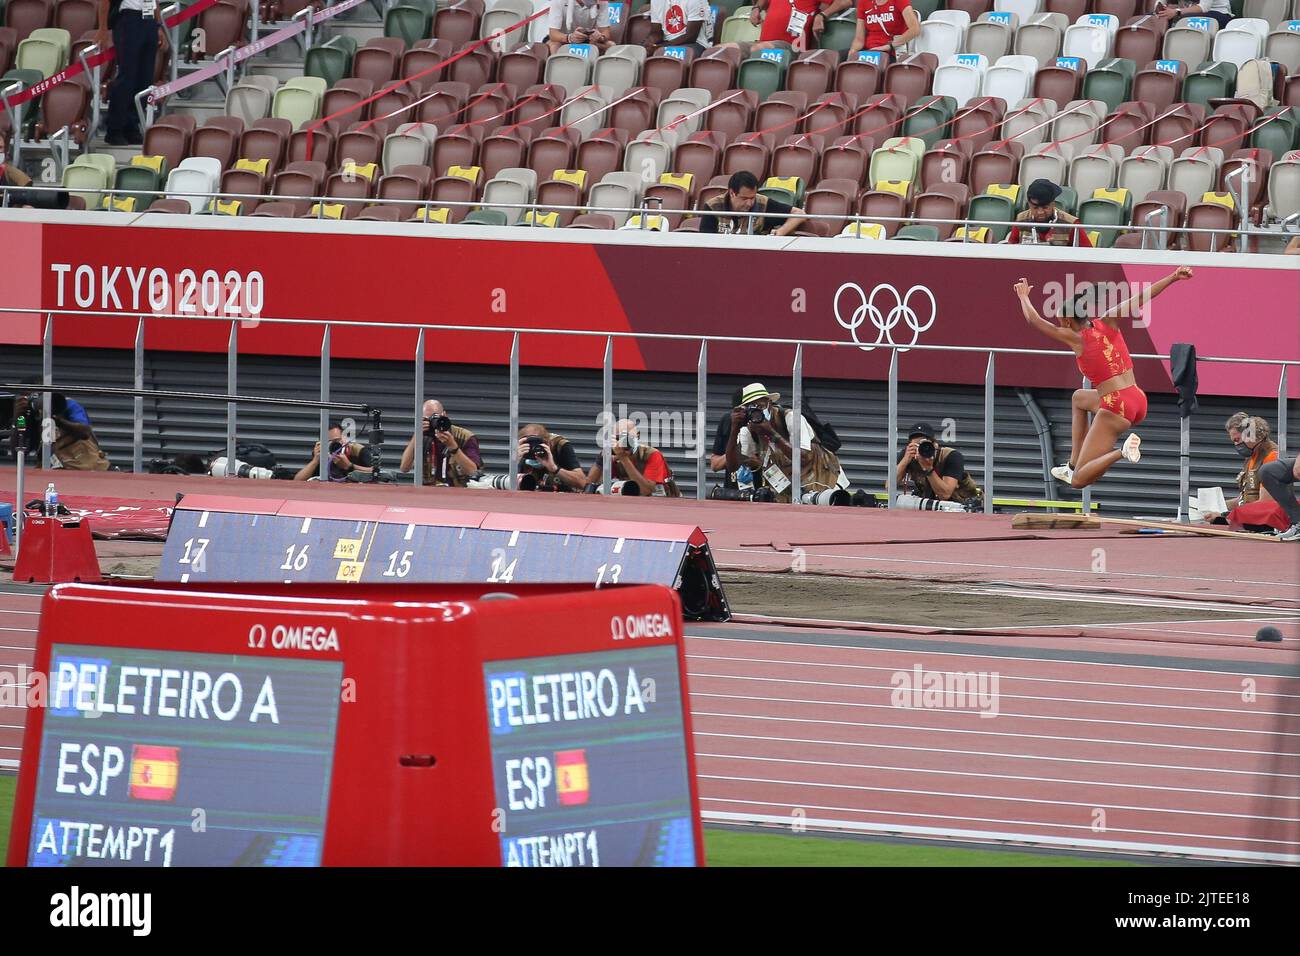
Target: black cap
[[921, 429], [1043, 191]]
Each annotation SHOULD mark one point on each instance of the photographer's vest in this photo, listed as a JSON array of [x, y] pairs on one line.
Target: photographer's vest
[[642, 456], [729, 222], [454, 478], [80, 454], [1055, 237], [966, 488], [819, 469], [1248, 478], [552, 482]]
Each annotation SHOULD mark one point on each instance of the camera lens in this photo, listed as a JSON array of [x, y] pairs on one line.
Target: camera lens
[[926, 448]]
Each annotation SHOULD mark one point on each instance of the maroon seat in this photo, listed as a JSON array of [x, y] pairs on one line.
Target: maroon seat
[[362, 146], [1226, 127], [947, 162], [490, 106], [846, 159], [453, 189], [267, 139], [409, 183], [1159, 87], [537, 103], [301, 178], [879, 115], [637, 111], [277, 210], [322, 146], [1255, 182], [379, 60], [669, 199], [76, 16], [664, 73], [911, 78], [1139, 39], [1179, 126], [781, 112], [459, 23], [832, 197], [1073, 9], [65, 105], [243, 185], [798, 155], [699, 156], [28, 15], [8, 46], [1058, 83], [593, 220], [1129, 125], [170, 206], [523, 67], [1210, 215], [943, 201], [974, 8], [549, 152], [1124, 10], [382, 214], [751, 152], [1176, 205], [223, 24], [218, 138], [443, 103], [343, 97], [557, 192], [885, 208], [476, 67], [715, 188], [999, 163], [350, 189], [715, 70], [831, 115], [602, 152], [169, 137], [977, 122], [503, 150], [732, 113], [813, 73], [420, 61], [862, 78]]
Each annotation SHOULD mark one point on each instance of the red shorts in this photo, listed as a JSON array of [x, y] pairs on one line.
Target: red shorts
[[777, 21], [1130, 403]]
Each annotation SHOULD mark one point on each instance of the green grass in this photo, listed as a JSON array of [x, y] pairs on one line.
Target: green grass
[[8, 783], [728, 848]]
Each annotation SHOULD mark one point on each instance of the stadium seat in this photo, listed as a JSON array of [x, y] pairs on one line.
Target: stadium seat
[[250, 99], [301, 178], [737, 28], [1077, 126], [1045, 161], [918, 232], [1160, 83], [501, 14], [1129, 125], [602, 152], [509, 190], [218, 139], [839, 32], [1164, 208], [1144, 171], [1010, 78], [1211, 215], [1061, 81], [885, 208], [169, 137], [991, 35], [1110, 81], [715, 71], [1271, 11], [682, 103], [863, 76], [331, 60], [962, 78], [619, 69], [1210, 81], [1241, 40], [196, 176], [585, 112], [411, 20], [1095, 168], [1090, 38], [277, 210], [45, 50], [991, 212], [1284, 188], [999, 163], [834, 198], [1139, 40], [615, 194], [299, 100], [942, 34], [751, 152], [1283, 46], [909, 79], [812, 72], [764, 72], [929, 119], [649, 154], [458, 23], [1250, 187], [572, 66], [1190, 40], [1023, 9], [1195, 172], [942, 201], [379, 60], [898, 159], [1041, 37], [1278, 130]]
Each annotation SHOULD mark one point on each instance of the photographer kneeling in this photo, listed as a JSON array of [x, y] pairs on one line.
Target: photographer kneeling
[[451, 454], [75, 446], [934, 471], [548, 462], [638, 469], [346, 458], [760, 440]]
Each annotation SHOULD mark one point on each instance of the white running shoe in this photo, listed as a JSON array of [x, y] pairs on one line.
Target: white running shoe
[[1132, 450], [1291, 534], [1063, 473]]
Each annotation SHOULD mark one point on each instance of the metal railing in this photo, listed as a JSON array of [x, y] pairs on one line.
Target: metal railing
[[208, 199], [607, 373]]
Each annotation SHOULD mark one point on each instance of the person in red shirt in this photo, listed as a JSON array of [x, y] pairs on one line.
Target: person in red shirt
[[635, 464], [1103, 358], [796, 24], [885, 25]]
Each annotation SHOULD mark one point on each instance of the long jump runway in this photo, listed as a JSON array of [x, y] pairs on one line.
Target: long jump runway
[[1116, 703]]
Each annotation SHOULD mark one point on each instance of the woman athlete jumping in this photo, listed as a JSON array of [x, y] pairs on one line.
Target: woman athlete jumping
[[1103, 357]]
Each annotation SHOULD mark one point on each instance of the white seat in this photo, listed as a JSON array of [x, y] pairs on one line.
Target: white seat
[[1239, 41], [1271, 12], [1025, 123], [1095, 168], [1283, 46], [1011, 78], [509, 190], [1088, 41], [1196, 172], [958, 18], [586, 112], [571, 66], [615, 194], [650, 155], [1046, 161], [501, 14], [1284, 189], [1041, 37], [1144, 171], [1189, 40], [1076, 126], [251, 98], [962, 77], [619, 69], [198, 174], [1024, 9], [681, 103], [991, 35], [943, 38], [406, 149], [427, 131]]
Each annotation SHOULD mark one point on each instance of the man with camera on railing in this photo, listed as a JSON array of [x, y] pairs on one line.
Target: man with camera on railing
[[73, 441], [451, 452], [760, 441], [1042, 222], [933, 472], [548, 462], [348, 460], [638, 469]]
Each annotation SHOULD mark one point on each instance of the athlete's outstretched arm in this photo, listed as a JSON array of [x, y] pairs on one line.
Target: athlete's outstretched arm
[[1131, 308], [1065, 336]]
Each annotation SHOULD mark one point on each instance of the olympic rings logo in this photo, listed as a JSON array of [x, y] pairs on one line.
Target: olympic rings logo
[[884, 321]]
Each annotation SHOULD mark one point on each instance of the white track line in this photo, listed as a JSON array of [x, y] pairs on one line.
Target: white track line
[[987, 656], [975, 714], [1064, 700], [1236, 692], [996, 776], [996, 733], [994, 753], [987, 836], [1034, 594], [1091, 805]]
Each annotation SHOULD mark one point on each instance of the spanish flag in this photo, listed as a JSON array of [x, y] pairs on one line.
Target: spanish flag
[[154, 771], [571, 773]]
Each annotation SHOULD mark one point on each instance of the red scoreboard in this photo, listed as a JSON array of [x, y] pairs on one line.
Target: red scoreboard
[[265, 725]]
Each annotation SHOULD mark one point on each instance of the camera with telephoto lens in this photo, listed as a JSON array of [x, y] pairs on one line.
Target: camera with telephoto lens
[[916, 503], [720, 493], [830, 496], [486, 482], [926, 449], [439, 423], [36, 198], [221, 468]]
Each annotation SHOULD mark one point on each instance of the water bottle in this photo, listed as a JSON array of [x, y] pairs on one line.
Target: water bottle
[[51, 501]]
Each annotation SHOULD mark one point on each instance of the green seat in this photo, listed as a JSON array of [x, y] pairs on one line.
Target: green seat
[[299, 100], [764, 73], [997, 211], [409, 20], [794, 185], [45, 51], [897, 160], [487, 217], [28, 79], [919, 232], [1210, 81], [737, 28], [331, 61], [780, 195], [1068, 200], [86, 181], [1103, 212], [839, 33], [1278, 132], [1110, 81], [141, 182], [930, 118]]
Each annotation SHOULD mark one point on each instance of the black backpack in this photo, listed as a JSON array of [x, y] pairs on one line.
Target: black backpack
[[824, 431], [251, 453]]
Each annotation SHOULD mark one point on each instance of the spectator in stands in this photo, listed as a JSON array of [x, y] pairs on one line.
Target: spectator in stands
[[887, 25], [549, 460], [792, 24], [137, 35], [579, 21], [1252, 439], [742, 197], [640, 466], [74, 444], [760, 440], [345, 458], [931, 469], [1043, 221], [1219, 10], [679, 23], [451, 453]]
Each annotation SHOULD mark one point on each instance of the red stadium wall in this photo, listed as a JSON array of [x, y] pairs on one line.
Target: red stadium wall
[[378, 274]]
